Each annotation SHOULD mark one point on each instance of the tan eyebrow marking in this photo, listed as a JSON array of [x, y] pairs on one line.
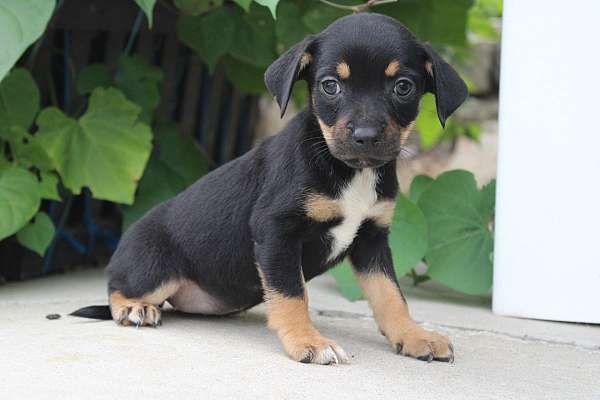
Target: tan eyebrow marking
[[392, 68], [343, 70]]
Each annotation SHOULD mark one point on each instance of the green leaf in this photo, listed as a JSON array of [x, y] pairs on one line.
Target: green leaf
[[48, 186], [418, 186], [408, 235], [321, 15], [140, 82], [175, 165], [27, 150], [346, 281], [437, 21], [21, 23], [148, 7], [93, 76], [211, 36], [38, 234], [254, 41], [245, 4], [460, 241], [19, 100], [289, 27], [271, 5], [106, 150], [197, 7], [19, 199], [245, 77], [428, 124], [4, 163]]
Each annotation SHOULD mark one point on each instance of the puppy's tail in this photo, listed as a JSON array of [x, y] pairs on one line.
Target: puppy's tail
[[94, 312]]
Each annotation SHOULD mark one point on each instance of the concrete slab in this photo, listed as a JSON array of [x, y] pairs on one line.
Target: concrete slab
[[237, 357]]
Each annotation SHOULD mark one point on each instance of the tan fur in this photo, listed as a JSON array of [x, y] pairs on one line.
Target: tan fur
[[405, 132], [322, 208], [122, 308], [392, 316], [305, 60], [330, 133], [429, 67], [343, 70], [289, 318], [384, 219], [327, 130], [392, 68]]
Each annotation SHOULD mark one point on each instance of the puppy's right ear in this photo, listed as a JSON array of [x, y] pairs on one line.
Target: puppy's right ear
[[286, 70]]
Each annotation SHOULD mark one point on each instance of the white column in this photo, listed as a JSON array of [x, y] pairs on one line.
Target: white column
[[547, 254]]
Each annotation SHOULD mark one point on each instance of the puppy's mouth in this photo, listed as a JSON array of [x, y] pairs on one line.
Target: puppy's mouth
[[365, 162]]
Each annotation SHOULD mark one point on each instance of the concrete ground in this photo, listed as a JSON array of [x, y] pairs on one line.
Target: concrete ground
[[238, 358]]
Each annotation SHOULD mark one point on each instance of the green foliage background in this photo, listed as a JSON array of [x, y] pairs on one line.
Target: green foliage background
[[118, 148]]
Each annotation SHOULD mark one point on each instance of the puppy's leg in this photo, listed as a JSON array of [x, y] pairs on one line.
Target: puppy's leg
[[372, 262], [287, 305]]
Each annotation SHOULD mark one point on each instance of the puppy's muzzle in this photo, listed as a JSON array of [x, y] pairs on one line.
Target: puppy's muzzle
[[367, 147]]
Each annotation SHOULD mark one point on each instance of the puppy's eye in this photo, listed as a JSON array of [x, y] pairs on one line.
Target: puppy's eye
[[331, 87], [404, 87]]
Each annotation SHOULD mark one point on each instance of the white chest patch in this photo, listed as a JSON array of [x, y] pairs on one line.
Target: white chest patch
[[358, 201]]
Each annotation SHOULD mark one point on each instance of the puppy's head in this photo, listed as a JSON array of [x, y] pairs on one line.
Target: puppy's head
[[366, 74]]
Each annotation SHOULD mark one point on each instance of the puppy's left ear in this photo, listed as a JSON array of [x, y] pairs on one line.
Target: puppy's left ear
[[286, 70], [444, 82]]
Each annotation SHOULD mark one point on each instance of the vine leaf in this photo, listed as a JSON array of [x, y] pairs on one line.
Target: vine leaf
[[19, 199], [460, 240], [408, 235], [48, 186], [176, 164], [418, 185], [148, 7], [245, 4], [21, 23], [140, 81], [19, 101], [93, 76], [197, 7], [105, 150], [211, 35], [271, 5], [289, 27], [37, 235], [428, 124], [254, 42], [346, 282]]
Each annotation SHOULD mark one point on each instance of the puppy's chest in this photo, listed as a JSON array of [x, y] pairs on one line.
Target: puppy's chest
[[357, 202]]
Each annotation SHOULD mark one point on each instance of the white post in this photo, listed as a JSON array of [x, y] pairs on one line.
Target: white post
[[547, 254]]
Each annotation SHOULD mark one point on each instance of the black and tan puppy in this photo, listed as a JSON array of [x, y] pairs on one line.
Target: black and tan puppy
[[257, 228]]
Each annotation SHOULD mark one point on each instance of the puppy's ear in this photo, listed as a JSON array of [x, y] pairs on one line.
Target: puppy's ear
[[286, 70], [444, 82]]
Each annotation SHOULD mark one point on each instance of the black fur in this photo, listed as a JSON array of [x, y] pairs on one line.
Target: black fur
[[95, 312], [251, 210]]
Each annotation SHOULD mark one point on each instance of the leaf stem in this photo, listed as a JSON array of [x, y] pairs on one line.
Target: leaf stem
[[359, 7]]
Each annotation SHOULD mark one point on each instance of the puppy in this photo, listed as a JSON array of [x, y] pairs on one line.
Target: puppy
[[259, 227]]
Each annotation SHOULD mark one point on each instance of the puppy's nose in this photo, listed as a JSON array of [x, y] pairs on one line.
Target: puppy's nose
[[366, 136]]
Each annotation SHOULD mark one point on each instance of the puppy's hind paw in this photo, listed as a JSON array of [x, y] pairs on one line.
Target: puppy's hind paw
[[138, 314]]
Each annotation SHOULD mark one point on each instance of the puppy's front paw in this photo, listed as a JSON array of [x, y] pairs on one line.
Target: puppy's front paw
[[313, 348], [424, 345]]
